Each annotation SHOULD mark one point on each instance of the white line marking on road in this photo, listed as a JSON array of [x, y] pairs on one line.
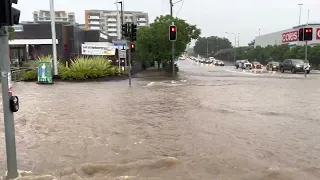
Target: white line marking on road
[[243, 72]]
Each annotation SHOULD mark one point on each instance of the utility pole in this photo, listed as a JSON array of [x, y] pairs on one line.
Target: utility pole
[[172, 61], [235, 48], [7, 113], [238, 39]]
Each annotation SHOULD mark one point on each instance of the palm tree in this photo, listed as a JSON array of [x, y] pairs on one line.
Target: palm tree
[[11, 33]]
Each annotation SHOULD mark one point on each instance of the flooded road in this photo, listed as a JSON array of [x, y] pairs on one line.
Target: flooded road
[[212, 123]]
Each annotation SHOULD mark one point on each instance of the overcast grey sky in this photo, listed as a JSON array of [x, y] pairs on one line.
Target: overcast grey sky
[[214, 17]]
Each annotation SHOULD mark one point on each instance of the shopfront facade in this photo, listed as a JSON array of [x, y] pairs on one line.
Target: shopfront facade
[[34, 40]]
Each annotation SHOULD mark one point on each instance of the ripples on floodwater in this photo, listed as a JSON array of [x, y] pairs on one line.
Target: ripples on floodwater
[[202, 128]]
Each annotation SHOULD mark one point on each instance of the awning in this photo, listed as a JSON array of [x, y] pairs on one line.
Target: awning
[[31, 41]]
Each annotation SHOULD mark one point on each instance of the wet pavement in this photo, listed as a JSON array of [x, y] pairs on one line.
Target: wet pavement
[[211, 123]]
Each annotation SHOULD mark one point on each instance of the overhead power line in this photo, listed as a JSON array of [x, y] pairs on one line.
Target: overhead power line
[[180, 8]]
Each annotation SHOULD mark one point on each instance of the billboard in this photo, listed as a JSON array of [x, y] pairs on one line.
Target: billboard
[[98, 50], [291, 36]]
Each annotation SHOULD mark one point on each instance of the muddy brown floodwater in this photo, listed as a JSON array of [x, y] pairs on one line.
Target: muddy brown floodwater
[[203, 127]]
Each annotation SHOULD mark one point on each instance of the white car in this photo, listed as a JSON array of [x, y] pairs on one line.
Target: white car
[[245, 64]]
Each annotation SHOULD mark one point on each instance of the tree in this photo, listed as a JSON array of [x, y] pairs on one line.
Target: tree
[[11, 33], [153, 42], [213, 44], [252, 43]]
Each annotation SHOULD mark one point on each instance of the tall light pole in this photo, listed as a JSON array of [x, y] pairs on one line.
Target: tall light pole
[[235, 44], [54, 39], [207, 48], [238, 39], [259, 32], [308, 16], [300, 8]]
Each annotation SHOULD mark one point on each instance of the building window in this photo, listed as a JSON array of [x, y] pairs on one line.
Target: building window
[[18, 28]]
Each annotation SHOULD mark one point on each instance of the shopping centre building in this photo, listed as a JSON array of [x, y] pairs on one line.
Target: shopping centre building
[[288, 36]]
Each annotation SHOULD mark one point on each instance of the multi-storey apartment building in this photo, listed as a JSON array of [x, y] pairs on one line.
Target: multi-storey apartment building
[[60, 16], [108, 21]]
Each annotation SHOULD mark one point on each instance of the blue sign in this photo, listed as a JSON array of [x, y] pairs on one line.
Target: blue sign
[[119, 44], [292, 45]]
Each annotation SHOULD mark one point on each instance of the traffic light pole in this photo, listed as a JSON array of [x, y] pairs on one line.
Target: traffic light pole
[[173, 48], [129, 61], [7, 113], [306, 57]]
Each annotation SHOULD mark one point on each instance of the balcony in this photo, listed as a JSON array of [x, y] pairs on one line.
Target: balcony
[[112, 30], [94, 22], [113, 34], [142, 19], [94, 17], [94, 27], [142, 24], [111, 20]]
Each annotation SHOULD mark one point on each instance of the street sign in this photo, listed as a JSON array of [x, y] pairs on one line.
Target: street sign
[[44, 73], [118, 42], [122, 54]]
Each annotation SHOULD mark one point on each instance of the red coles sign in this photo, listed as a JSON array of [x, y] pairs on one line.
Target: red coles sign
[[318, 33], [291, 36]]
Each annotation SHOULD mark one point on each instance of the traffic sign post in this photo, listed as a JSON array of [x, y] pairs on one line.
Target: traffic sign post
[[122, 54], [7, 113]]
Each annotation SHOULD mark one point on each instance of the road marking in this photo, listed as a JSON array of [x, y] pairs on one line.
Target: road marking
[[243, 72]]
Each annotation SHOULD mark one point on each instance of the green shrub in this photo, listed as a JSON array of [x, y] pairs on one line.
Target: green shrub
[[31, 75], [88, 68]]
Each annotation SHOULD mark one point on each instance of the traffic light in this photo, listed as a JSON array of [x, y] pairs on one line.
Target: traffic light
[[9, 16], [124, 30], [307, 36], [301, 32], [132, 47], [133, 32], [172, 33]]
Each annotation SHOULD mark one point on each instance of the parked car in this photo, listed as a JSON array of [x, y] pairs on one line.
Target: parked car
[[257, 65], [293, 65], [273, 66]]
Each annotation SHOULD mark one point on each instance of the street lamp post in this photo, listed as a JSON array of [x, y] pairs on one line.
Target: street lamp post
[[300, 7], [54, 39], [235, 43], [207, 48]]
